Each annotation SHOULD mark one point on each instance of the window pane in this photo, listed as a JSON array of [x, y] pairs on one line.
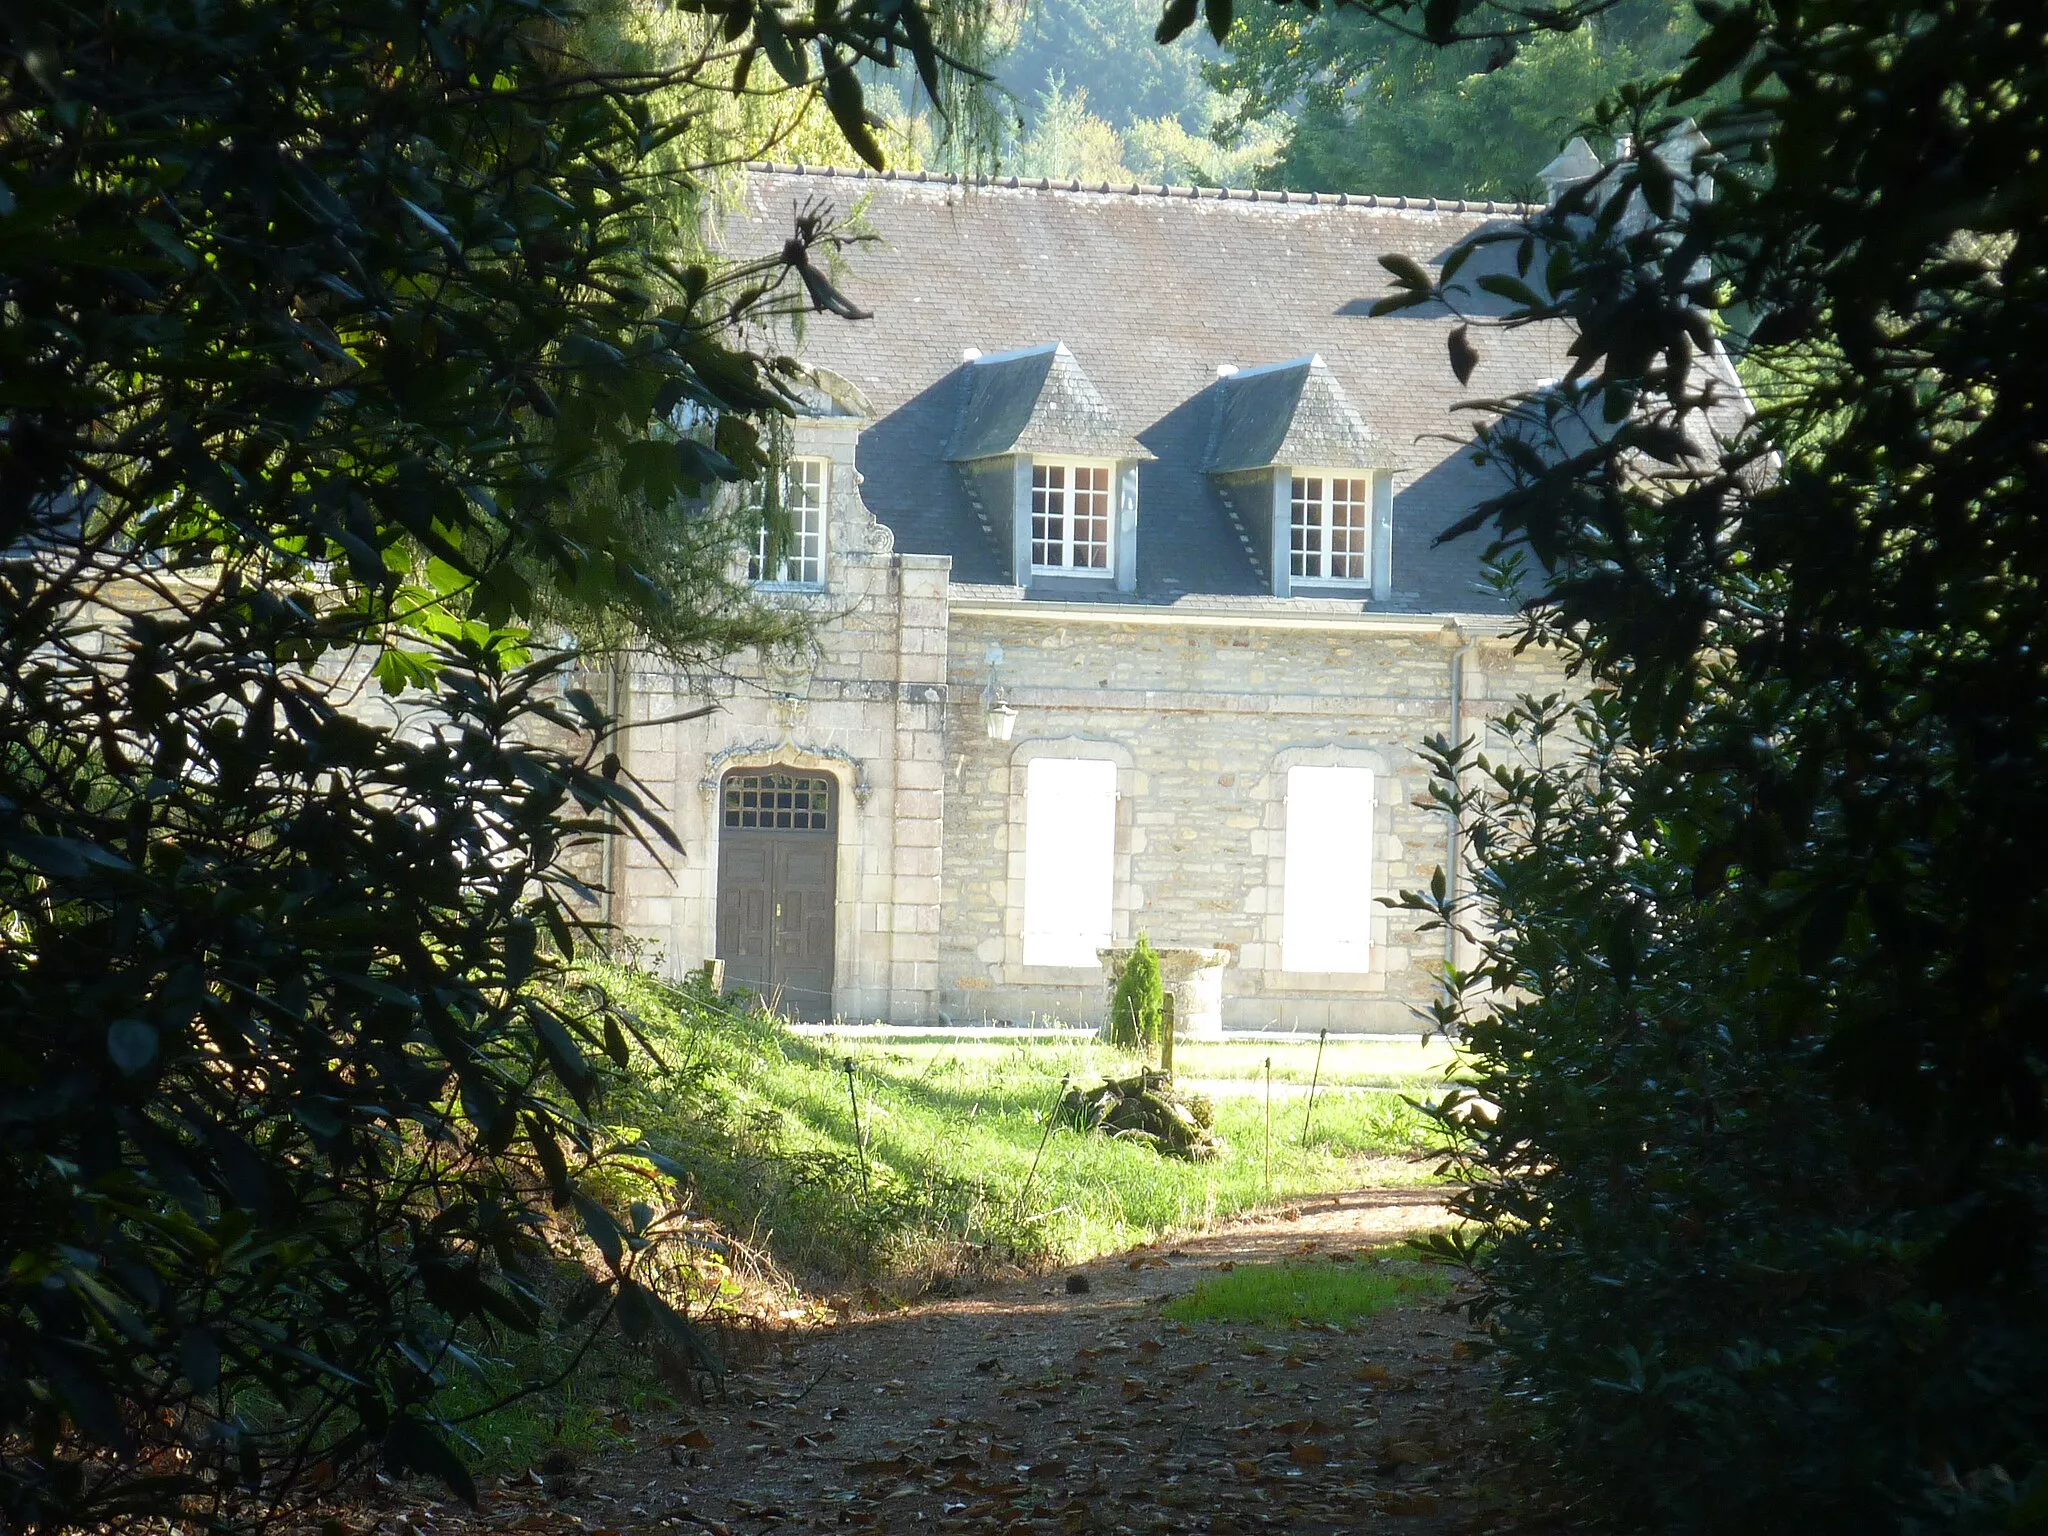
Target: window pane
[[804, 484], [806, 497], [1091, 518], [1350, 506], [1326, 899], [1048, 514], [1069, 859], [778, 802], [1305, 532]]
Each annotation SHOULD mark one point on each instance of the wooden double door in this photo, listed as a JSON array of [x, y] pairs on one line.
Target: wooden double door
[[778, 846]]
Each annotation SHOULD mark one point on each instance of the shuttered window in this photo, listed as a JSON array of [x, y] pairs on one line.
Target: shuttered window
[[1326, 905], [1069, 859]]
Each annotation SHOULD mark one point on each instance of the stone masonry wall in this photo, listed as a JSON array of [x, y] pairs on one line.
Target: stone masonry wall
[[1203, 723], [865, 702]]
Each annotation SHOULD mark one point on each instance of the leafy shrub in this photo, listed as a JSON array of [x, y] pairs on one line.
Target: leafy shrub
[[339, 340], [1137, 1008], [1754, 965]]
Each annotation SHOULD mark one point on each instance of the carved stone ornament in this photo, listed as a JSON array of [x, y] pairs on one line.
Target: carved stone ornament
[[784, 754]]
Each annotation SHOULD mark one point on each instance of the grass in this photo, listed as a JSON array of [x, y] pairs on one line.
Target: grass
[[1282, 1295], [941, 1178]]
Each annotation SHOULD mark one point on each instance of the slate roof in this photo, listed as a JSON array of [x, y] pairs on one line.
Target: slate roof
[[1148, 291]]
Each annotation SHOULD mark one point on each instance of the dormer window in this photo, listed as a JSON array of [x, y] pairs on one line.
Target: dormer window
[[1049, 467], [802, 562], [1329, 527], [1071, 518], [1328, 531]]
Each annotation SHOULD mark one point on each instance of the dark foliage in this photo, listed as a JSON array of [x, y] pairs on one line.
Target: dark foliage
[[334, 334], [1755, 953], [1374, 109]]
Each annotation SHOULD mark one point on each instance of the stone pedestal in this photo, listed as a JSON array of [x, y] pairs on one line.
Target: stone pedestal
[[1193, 979]]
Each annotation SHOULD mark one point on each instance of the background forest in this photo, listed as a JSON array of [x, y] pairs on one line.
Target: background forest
[[1326, 102]]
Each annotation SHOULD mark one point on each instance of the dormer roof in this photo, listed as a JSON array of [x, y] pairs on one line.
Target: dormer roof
[[1575, 164], [1288, 413], [1035, 400]]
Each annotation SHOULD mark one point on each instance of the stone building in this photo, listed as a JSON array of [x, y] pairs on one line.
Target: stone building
[[1118, 523]]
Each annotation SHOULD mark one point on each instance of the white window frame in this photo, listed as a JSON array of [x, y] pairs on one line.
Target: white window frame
[[807, 494], [1069, 860], [1326, 899], [1320, 529], [1047, 500]]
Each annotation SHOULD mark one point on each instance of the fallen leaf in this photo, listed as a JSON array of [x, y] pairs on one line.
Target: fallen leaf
[[1403, 1501], [894, 1466]]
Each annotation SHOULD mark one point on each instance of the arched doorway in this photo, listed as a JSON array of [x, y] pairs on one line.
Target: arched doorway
[[778, 842]]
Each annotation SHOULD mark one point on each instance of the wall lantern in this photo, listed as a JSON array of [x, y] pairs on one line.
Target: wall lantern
[[997, 712]]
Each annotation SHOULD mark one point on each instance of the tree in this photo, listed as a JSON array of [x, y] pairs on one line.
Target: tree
[[1375, 109], [1101, 49], [1137, 1009], [1759, 931], [1068, 141], [335, 337]]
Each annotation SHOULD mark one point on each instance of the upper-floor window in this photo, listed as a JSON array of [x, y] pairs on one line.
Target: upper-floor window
[[1328, 522], [1071, 518], [803, 554]]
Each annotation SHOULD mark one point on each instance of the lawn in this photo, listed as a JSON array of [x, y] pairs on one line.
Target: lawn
[[942, 1176], [1281, 1295]]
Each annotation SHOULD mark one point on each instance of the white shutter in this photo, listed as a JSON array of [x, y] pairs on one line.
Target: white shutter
[[1069, 859], [1326, 904]]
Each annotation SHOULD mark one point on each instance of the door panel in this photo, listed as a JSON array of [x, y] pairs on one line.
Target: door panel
[[743, 911], [803, 930], [777, 863]]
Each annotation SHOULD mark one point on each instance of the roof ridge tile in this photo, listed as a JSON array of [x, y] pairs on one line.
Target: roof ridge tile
[[1372, 200]]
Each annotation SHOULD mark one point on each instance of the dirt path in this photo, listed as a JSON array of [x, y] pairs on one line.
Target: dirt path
[[1026, 1408]]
